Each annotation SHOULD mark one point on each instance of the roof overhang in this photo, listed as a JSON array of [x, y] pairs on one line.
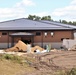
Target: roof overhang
[[21, 34]]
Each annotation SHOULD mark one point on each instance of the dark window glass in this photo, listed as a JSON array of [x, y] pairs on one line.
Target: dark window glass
[[62, 39], [67, 38], [4, 33], [38, 33]]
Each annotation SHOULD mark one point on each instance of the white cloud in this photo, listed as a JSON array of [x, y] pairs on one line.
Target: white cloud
[[73, 2], [67, 13], [8, 13], [41, 14], [25, 3], [17, 11]]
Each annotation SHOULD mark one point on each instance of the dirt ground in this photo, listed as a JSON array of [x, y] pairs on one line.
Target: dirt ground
[[41, 63], [48, 63]]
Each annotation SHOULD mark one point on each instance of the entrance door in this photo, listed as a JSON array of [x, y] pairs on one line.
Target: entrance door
[[26, 40]]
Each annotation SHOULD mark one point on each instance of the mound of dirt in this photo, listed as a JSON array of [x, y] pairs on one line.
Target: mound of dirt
[[37, 47], [12, 49], [20, 46], [73, 48]]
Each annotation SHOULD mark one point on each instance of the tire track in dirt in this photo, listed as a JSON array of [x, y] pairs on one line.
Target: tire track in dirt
[[46, 62]]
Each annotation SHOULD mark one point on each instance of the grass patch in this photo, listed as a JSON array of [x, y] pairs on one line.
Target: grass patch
[[72, 72], [13, 58], [13, 65], [64, 72], [61, 72]]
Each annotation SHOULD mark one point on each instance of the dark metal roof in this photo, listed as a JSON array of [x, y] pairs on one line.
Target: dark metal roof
[[58, 24], [22, 34], [26, 24]]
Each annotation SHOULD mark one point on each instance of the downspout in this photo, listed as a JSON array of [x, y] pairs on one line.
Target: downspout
[[32, 41], [42, 39], [12, 42], [8, 40], [72, 33]]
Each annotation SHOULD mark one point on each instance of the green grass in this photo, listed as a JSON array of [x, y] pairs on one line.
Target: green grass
[[64, 72], [13, 58], [72, 72], [14, 65]]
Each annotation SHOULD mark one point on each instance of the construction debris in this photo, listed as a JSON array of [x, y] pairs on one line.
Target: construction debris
[[20, 46], [54, 50], [36, 49], [68, 43], [2, 51], [13, 49], [73, 48]]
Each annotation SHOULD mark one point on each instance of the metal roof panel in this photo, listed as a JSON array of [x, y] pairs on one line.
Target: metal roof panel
[[26, 24]]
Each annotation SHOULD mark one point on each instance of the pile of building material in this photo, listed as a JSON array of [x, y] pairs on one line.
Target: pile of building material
[[73, 48], [13, 49], [36, 49], [54, 50], [20, 46], [68, 43], [2, 51]]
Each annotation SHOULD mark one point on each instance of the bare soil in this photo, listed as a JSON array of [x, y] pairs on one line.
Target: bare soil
[[49, 63], [41, 64]]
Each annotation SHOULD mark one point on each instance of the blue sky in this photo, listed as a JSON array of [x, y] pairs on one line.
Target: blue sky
[[57, 9]]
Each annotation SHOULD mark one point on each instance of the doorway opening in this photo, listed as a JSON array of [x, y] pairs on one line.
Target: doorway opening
[[26, 41]]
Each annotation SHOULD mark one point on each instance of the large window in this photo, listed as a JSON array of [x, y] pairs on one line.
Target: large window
[[38, 33]]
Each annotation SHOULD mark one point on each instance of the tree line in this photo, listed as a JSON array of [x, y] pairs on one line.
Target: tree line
[[34, 17], [66, 22]]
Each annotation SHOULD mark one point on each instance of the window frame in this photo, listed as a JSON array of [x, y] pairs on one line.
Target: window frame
[[38, 33], [4, 33]]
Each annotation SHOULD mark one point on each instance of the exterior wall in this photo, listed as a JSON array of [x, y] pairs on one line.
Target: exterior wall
[[5, 45], [55, 41], [58, 35], [56, 45], [38, 39], [3, 38]]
